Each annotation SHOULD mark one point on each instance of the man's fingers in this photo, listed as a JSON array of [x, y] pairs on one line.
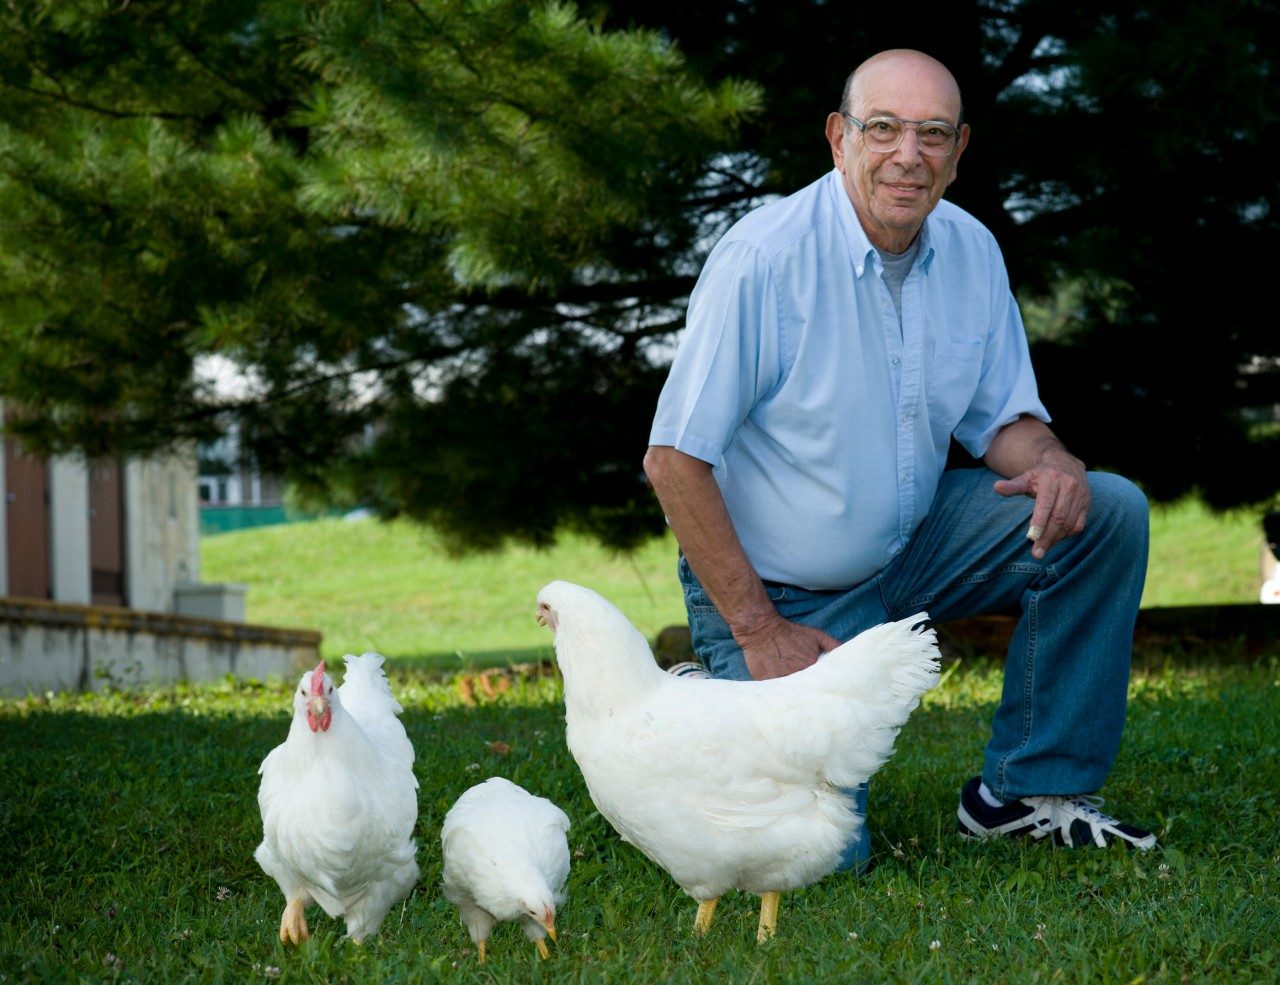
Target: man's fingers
[[1019, 486]]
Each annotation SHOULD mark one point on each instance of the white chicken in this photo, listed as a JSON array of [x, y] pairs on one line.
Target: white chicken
[[731, 784], [339, 802], [506, 857]]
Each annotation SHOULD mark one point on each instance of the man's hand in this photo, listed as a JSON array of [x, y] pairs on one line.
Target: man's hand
[[1061, 492], [779, 647]]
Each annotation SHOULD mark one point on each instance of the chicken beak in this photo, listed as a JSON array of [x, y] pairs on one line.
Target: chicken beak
[[549, 923], [319, 714]]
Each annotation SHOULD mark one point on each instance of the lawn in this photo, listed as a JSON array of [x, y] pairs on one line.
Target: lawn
[[129, 822]]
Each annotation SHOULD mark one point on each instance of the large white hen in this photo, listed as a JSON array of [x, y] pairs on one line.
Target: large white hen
[[339, 801], [506, 857], [731, 784]]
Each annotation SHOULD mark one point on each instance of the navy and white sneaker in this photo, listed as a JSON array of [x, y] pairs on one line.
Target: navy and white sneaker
[[690, 668], [1070, 822]]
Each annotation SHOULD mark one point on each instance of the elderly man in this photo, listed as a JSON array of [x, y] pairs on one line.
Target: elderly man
[[837, 339]]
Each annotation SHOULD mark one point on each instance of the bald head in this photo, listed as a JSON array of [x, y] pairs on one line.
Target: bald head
[[899, 70]]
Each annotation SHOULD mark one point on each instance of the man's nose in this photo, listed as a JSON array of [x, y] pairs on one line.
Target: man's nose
[[909, 149]]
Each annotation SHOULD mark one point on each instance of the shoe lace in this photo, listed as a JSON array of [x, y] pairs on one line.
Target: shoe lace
[[1059, 812]]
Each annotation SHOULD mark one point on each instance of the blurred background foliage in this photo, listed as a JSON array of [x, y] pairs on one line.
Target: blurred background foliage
[[432, 257]]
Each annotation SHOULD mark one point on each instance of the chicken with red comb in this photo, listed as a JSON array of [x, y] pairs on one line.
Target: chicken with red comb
[[339, 801]]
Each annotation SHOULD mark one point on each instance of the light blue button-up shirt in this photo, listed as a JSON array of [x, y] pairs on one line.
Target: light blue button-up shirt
[[826, 422]]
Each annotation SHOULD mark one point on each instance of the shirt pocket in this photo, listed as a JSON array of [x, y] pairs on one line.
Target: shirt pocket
[[953, 382]]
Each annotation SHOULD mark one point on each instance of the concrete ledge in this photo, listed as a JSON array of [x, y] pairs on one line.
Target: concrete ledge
[[59, 646]]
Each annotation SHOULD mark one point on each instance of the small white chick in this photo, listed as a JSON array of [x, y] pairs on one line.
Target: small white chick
[[506, 857]]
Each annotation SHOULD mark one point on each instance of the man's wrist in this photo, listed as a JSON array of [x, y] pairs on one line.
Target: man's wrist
[[753, 623]]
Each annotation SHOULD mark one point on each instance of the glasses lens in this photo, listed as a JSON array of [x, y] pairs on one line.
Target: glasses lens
[[936, 138], [883, 133]]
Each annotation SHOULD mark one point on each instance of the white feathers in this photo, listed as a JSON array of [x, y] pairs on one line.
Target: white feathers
[[506, 857], [731, 784], [339, 802]]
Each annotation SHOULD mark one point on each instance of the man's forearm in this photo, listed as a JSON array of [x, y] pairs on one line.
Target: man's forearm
[[1024, 444], [698, 517]]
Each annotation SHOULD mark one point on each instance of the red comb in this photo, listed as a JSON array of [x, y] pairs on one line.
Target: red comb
[[317, 680]]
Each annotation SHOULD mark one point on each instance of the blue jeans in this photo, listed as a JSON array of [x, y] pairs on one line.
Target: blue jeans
[[1058, 725]]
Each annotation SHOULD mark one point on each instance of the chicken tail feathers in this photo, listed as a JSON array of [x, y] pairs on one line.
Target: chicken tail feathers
[[916, 669], [365, 683], [895, 661], [873, 682], [366, 696]]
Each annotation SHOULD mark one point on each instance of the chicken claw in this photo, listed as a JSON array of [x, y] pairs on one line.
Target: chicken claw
[[706, 910], [293, 925], [768, 916]]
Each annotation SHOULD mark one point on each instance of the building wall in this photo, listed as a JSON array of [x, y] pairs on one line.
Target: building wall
[[162, 523], [4, 526], [69, 529]]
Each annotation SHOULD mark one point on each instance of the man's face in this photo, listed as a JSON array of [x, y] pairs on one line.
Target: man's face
[[893, 192]]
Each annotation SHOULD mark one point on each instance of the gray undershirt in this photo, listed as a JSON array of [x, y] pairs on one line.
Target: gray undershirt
[[896, 268]]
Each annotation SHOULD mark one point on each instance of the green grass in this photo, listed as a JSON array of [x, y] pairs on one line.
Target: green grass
[[390, 587], [128, 822], [1203, 558]]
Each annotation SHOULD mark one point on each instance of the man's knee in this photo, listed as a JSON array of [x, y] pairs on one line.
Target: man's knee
[[1117, 502]]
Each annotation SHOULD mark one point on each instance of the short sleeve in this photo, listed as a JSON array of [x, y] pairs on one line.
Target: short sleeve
[[728, 357], [1007, 388]]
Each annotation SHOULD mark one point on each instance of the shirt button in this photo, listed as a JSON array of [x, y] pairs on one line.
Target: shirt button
[[906, 418], [897, 361]]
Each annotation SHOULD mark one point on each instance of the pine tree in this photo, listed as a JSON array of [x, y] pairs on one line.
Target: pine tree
[[435, 240]]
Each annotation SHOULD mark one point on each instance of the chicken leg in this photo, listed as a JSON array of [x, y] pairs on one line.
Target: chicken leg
[[541, 945], [768, 916], [293, 924], [480, 949], [706, 910]]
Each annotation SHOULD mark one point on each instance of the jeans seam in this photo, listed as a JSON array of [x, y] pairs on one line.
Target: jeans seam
[[976, 579], [1028, 688]]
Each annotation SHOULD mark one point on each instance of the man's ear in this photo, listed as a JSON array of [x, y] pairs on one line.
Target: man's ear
[[961, 143], [835, 137]]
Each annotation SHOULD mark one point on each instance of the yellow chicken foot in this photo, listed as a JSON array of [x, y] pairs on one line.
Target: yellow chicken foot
[[480, 949], [542, 949], [768, 916], [293, 925], [706, 910]]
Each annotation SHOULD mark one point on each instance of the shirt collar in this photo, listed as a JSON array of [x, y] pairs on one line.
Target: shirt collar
[[860, 249]]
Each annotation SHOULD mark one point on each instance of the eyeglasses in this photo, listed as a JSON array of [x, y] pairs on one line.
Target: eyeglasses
[[883, 134]]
